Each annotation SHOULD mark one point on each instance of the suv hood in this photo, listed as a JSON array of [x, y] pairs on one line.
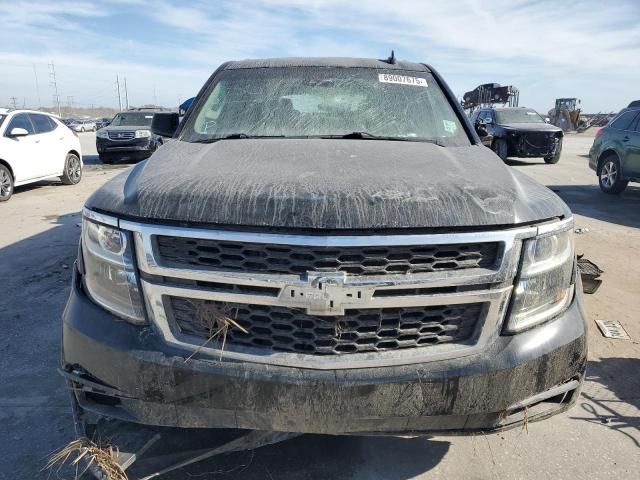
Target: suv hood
[[125, 128], [327, 184]]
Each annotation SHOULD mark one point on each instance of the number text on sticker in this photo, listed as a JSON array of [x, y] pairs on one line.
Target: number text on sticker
[[402, 79]]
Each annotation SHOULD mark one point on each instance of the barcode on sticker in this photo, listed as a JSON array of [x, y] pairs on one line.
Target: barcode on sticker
[[402, 79]]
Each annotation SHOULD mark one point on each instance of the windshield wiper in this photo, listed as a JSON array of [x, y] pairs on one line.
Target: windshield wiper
[[365, 136], [371, 136], [236, 136]]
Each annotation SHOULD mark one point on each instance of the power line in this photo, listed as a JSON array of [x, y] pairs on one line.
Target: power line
[[35, 74], [119, 99], [126, 93], [54, 84]]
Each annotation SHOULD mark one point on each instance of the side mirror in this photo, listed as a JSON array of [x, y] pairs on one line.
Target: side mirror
[[165, 124], [547, 119], [18, 132]]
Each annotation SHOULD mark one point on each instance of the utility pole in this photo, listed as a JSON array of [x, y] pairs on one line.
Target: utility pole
[[69, 103], [13, 102], [54, 84], [35, 74], [119, 99], [126, 93]]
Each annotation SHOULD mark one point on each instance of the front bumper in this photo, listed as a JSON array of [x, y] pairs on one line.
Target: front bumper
[[137, 148], [128, 372], [594, 154], [524, 145]]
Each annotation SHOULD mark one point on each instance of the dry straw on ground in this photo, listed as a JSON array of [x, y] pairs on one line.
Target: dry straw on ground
[[93, 455]]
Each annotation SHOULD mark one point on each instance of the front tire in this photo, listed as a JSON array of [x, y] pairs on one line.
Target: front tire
[[500, 148], [555, 158], [610, 176], [72, 170], [6, 184]]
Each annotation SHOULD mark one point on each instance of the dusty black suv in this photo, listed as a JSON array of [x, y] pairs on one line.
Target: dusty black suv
[[128, 137], [325, 246], [518, 132]]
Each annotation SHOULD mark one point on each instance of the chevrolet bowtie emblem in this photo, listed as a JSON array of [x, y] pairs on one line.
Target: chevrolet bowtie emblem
[[324, 294]]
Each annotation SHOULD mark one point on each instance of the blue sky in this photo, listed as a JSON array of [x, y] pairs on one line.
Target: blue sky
[[548, 49]]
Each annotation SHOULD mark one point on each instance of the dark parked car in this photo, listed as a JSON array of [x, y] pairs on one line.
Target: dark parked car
[[615, 154], [102, 122], [518, 132], [325, 246], [128, 137]]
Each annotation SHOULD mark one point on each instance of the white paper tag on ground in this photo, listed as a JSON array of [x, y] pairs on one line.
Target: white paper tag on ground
[[612, 329], [402, 79]]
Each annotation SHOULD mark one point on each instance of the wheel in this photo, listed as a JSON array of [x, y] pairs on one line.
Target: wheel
[[499, 146], [72, 170], [555, 158], [6, 184], [610, 176]]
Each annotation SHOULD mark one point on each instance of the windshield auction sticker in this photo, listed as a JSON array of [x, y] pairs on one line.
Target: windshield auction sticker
[[402, 79]]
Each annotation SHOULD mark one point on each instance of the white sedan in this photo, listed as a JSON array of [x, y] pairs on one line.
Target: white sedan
[[83, 126], [35, 146]]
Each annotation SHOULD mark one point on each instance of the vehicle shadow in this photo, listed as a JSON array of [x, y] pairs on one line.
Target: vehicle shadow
[[34, 186], [326, 456], [512, 162], [611, 394], [34, 405], [590, 201], [91, 160]]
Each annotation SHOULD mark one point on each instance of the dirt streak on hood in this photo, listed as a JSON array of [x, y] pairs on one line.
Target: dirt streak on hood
[[327, 184]]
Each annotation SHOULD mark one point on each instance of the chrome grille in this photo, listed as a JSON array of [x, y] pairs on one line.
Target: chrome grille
[[296, 259], [121, 135], [332, 299], [357, 331]]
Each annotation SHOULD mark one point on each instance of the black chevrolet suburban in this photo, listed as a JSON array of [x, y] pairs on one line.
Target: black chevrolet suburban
[[128, 138], [327, 247]]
